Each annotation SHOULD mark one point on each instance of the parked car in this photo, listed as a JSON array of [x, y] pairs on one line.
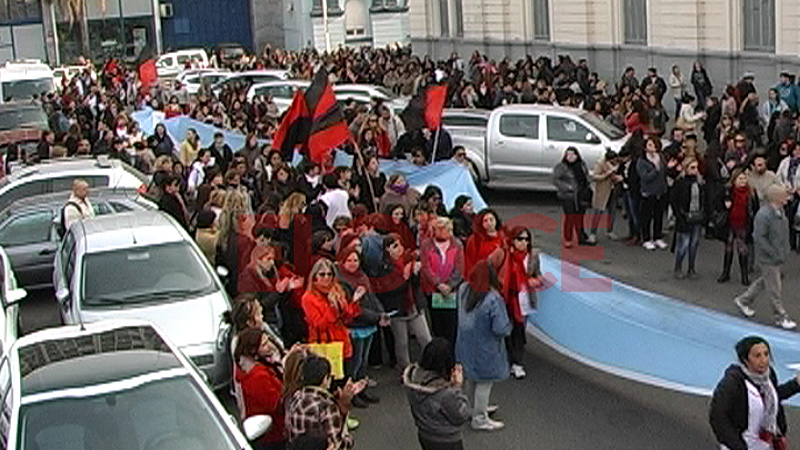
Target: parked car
[[22, 80], [11, 294], [229, 53], [29, 229], [363, 93], [144, 265], [118, 385], [58, 175], [250, 77], [192, 80], [170, 64], [519, 145], [282, 92], [22, 123]]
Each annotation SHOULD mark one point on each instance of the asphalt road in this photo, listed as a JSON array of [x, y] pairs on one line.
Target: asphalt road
[[562, 404]]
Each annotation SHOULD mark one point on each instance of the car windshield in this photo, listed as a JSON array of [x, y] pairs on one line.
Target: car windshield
[[166, 413], [608, 130], [158, 273], [23, 89], [12, 119]]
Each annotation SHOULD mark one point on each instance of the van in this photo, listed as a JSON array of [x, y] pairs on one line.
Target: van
[[169, 65], [21, 80]]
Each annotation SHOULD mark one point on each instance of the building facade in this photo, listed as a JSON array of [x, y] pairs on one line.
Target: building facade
[[728, 36]]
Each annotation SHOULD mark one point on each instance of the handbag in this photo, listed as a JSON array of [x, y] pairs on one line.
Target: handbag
[[333, 351], [719, 224], [441, 301]]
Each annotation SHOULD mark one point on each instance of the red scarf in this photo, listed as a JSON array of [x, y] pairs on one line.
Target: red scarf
[[516, 281]]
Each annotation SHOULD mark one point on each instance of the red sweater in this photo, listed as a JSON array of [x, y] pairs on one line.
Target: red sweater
[[737, 218], [479, 247], [262, 391], [326, 323]]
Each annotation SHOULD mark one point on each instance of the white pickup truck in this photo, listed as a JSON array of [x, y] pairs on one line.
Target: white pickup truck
[[518, 146]]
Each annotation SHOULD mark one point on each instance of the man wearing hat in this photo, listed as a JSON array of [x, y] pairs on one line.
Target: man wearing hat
[[658, 82], [788, 91]]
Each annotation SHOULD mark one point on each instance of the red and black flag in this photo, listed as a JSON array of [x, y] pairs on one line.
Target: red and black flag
[[294, 127], [328, 127], [425, 109]]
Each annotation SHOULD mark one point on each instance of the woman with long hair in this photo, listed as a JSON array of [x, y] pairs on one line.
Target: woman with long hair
[[370, 180], [189, 147], [163, 143], [235, 235], [571, 178], [483, 325], [282, 182], [462, 215], [741, 203], [486, 238], [652, 171], [433, 198]]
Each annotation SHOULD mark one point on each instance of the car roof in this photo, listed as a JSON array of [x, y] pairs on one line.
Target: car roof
[[73, 163], [18, 105], [85, 355], [541, 108], [60, 198], [301, 83], [128, 230], [467, 112]]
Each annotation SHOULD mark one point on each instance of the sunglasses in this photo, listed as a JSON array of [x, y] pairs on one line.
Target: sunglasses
[[522, 239], [325, 275]]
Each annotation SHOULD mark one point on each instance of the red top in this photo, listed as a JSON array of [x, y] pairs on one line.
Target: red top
[[633, 123], [326, 322], [737, 218], [262, 392], [479, 247]]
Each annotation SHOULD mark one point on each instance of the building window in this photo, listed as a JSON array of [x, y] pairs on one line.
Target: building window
[[388, 4], [759, 25], [20, 11], [458, 10], [541, 20], [333, 5], [444, 17], [635, 22]]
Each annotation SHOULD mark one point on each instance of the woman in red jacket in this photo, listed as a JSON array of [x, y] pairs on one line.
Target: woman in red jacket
[[485, 239], [327, 308], [258, 370]]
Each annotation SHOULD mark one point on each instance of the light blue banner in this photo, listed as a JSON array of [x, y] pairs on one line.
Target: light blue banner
[[657, 339], [177, 127]]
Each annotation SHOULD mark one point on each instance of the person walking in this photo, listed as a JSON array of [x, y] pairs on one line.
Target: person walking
[[742, 205], [688, 200], [434, 390], [771, 242], [571, 179], [483, 326], [746, 411], [652, 171]]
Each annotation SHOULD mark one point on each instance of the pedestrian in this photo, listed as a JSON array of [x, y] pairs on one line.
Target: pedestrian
[[438, 404], [771, 243], [688, 204], [741, 203], [189, 147], [206, 235], [197, 175], [746, 411], [652, 171], [163, 143], [701, 83], [520, 277], [78, 206], [789, 176], [604, 196], [462, 215], [442, 271], [480, 346], [486, 238], [172, 203], [760, 177], [571, 179], [677, 87]]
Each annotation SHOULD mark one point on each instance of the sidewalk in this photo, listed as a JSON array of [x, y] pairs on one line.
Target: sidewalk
[[653, 270]]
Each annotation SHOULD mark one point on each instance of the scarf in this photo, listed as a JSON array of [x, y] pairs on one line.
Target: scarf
[[400, 189], [516, 281], [768, 395]]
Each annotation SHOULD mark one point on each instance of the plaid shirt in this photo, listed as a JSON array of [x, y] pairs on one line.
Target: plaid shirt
[[314, 409]]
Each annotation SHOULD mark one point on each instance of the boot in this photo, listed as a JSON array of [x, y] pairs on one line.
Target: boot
[[726, 268], [743, 270]]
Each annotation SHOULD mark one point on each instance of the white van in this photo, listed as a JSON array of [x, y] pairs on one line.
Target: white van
[[169, 65], [21, 80]]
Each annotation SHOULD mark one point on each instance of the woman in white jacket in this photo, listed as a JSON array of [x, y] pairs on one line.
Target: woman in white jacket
[[198, 172]]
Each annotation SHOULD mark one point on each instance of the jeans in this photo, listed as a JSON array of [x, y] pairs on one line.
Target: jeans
[[678, 104], [358, 363], [611, 210], [631, 202], [687, 242], [400, 329], [769, 282], [653, 215]]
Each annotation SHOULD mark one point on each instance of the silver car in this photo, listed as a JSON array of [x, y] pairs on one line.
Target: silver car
[[113, 385], [144, 265]]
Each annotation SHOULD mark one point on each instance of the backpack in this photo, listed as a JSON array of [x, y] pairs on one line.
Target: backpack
[[62, 225]]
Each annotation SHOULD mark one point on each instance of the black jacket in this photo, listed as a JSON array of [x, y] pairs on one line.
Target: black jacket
[[222, 157], [680, 199], [729, 408], [172, 206]]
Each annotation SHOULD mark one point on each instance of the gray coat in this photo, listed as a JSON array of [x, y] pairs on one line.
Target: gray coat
[[438, 407], [653, 179], [771, 236], [565, 181]]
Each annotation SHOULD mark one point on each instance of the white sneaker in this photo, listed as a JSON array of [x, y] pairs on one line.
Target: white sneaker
[[491, 409], [517, 371], [746, 310], [483, 423], [649, 245], [592, 239], [787, 323], [661, 244], [612, 236]]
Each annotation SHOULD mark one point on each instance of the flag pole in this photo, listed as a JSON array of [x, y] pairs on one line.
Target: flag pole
[[435, 144], [366, 174]]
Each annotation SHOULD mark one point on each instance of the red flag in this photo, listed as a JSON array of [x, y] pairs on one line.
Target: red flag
[[293, 130], [435, 97], [328, 127], [148, 75]]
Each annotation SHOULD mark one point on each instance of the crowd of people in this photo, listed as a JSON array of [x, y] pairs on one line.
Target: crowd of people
[[356, 256]]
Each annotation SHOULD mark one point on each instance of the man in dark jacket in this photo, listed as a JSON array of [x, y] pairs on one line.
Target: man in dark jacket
[[660, 85], [172, 203], [221, 152], [771, 243]]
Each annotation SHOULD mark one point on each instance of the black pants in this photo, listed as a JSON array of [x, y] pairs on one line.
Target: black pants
[[444, 323], [268, 446], [428, 444], [383, 339], [653, 217], [515, 343], [572, 223]]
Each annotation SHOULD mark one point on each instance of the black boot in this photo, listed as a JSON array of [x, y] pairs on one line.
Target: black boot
[[743, 270], [726, 268]]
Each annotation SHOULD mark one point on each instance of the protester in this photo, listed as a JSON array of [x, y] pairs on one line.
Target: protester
[[78, 206], [740, 208], [688, 202], [442, 272], [652, 171], [571, 178]]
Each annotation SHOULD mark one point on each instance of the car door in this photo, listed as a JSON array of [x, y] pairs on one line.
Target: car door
[[515, 148], [6, 399], [30, 242], [566, 131]]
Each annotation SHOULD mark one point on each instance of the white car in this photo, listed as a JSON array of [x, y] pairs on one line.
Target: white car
[[282, 92], [144, 265], [171, 64], [9, 303], [251, 77], [58, 175], [21, 80], [115, 385], [192, 80], [363, 93]]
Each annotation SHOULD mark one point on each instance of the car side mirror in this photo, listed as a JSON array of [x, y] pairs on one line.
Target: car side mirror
[[16, 295], [62, 295], [222, 272], [591, 138], [255, 426]]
